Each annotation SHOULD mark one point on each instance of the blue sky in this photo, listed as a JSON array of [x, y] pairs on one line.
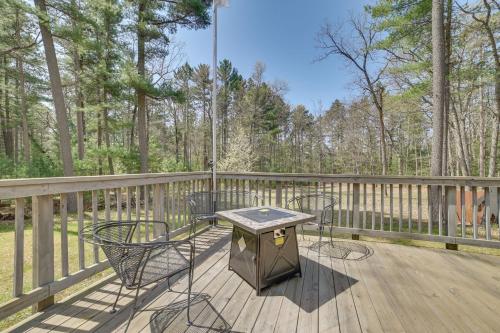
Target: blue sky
[[281, 34]]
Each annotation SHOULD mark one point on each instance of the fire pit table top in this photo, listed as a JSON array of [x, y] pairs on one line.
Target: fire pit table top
[[262, 219]]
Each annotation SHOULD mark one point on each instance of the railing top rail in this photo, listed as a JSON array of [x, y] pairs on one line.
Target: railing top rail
[[25, 187], [347, 178]]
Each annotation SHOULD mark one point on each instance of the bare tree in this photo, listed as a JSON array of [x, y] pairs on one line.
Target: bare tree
[[484, 18], [359, 51]]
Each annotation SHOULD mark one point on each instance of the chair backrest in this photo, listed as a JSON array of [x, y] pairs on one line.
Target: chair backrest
[[116, 239], [202, 203], [319, 205]]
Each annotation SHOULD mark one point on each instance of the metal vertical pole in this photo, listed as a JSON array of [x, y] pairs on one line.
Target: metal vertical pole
[[214, 103]]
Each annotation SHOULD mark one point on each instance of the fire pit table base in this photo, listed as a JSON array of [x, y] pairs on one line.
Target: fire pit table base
[[266, 258]]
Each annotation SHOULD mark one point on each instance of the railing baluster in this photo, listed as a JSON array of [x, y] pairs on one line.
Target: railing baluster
[[95, 218], [419, 204], [146, 211], [400, 189], [355, 205], [391, 206], [179, 205], [63, 208], [348, 206], [19, 248], [278, 194], [185, 190], [168, 203], [474, 212], [118, 195], [493, 193], [107, 205], [129, 204], [81, 245], [286, 193], [270, 192], [138, 211], [263, 192], [410, 208], [173, 188], [440, 205], [340, 205], [316, 193], [462, 209], [382, 206], [373, 206], [487, 220], [451, 194], [365, 205], [429, 210]]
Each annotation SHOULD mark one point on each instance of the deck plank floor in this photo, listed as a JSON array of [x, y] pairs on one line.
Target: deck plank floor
[[393, 288]]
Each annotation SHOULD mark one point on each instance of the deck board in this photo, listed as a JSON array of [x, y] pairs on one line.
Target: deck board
[[395, 289]]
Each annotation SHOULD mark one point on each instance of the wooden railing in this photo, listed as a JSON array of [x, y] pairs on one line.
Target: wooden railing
[[44, 204], [392, 206], [366, 205]]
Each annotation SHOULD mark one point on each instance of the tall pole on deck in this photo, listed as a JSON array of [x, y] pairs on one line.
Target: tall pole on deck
[[214, 100]]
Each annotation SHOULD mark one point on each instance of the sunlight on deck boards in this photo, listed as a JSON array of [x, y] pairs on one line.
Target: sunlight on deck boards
[[353, 287]]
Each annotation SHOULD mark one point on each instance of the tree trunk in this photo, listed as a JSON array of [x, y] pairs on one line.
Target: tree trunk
[[482, 142], [176, 135], [437, 86], [106, 136], [22, 96], [141, 94], [446, 105], [382, 133], [77, 67], [438, 94], [7, 130], [99, 138], [496, 123], [57, 92]]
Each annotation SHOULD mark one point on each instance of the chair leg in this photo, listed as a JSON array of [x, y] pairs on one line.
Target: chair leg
[[132, 314], [320, 238], [331, 234], [113, 310], [190, 282]]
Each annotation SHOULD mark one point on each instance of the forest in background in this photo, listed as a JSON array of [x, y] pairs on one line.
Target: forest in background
[[91, 87]]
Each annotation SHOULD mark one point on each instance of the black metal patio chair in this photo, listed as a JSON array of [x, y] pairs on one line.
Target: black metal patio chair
[[319, 205], [203, 207], [139, 264]]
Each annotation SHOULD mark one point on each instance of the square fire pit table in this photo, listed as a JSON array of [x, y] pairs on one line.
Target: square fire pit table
[[264, 247]]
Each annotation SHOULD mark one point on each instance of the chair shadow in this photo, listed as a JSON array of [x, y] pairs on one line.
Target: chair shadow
[[344, 250], [162, 319]]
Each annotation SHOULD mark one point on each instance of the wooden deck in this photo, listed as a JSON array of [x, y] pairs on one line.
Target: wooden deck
[[378, 287]]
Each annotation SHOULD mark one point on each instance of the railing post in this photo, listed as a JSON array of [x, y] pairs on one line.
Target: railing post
[[43, 246], [355, 209], [19, 248], [451, 199]]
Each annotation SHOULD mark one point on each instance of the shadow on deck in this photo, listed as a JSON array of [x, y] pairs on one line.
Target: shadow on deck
[[350, 286]]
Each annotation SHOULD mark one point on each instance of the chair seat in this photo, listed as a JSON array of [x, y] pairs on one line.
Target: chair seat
[[162, 263]]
